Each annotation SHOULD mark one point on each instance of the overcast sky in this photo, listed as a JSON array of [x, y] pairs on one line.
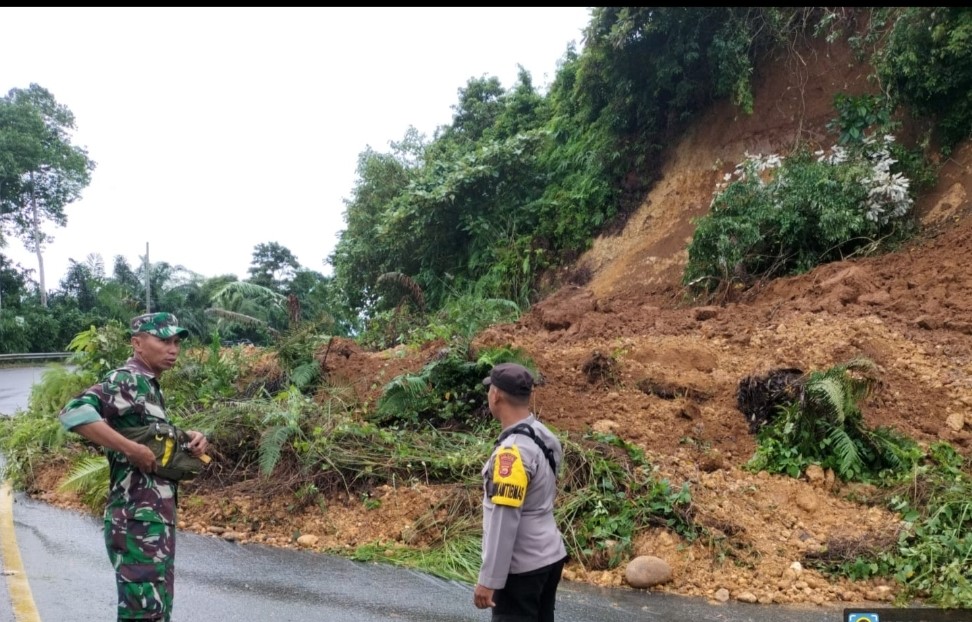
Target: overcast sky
[[216, 129]]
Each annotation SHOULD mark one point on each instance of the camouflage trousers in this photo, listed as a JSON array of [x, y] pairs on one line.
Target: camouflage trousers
[[143, 555]]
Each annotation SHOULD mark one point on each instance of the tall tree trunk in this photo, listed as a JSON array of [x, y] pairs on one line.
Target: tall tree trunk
[[37, 247]]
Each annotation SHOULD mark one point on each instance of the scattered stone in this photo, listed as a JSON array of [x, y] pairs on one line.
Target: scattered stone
[[722, 595], [815, 475], [215, 529], [807, 501], [647, 570], [746, 597], [880, 593], [307, 540], [706, 313], [955, 421], [605, 426]]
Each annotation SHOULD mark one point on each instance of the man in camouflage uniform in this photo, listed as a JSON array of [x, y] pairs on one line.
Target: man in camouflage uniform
[[140, 515]]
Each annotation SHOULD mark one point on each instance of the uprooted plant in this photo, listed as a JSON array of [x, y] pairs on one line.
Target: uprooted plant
[[823, 425]]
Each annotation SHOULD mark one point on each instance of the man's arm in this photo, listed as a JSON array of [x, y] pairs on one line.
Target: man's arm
[[510, 478], [112, 397], [100, 433]]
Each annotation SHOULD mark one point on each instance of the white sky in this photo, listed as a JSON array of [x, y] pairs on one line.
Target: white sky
[[216, 129]]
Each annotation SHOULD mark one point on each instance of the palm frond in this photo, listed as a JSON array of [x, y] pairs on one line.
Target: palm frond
[[230, 295], [241, 318], [850, 463], [271, 445], [828, 395], [896, 450], [305, 375], [411, 288], [403, 393], [90, 479]]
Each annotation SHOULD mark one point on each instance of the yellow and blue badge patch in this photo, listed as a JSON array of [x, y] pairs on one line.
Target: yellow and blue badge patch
[[509, 478]]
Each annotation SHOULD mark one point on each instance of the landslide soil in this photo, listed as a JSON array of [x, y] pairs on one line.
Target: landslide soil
[[907, 311]]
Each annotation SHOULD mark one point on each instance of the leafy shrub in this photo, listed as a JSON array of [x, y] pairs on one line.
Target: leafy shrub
[[930, 554], [609, 495], [447, 392], [825, 426], [203, 376], [777, 217], [856, 114], [98, 350], [28, 439], [927, 62]]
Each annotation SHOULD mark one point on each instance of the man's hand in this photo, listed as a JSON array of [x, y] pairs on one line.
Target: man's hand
[[197, 443], [141, 457], [483, 597]]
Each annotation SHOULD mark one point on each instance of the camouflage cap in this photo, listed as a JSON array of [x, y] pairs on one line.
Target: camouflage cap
[[161, 324]]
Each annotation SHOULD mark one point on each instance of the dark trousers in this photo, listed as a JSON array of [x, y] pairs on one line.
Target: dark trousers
[[529, 596]]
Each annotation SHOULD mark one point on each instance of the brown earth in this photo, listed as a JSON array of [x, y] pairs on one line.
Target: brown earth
[[906, 311]]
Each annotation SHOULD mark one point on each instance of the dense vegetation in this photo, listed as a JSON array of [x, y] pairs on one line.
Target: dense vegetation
[[448, 234]]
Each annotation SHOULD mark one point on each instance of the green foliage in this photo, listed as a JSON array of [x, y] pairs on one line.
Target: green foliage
[[203, 376], [447, 392], [927, 63], [273, 266], [458, 321], [825, 426], [29, 327], [809, 211], [932, 554], [98, 350], [28, 439], [609, 495], [41, 172], [857, 115], [58, 384], [90, 479], [281, 425], [296, 351]]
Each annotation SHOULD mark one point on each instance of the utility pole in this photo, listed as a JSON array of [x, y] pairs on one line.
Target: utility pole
[[148, 288]]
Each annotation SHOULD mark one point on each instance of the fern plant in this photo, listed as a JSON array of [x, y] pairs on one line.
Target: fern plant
[[282, 425], [824, 426]]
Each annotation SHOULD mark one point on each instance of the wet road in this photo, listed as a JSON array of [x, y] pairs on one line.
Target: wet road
[[70, 579]]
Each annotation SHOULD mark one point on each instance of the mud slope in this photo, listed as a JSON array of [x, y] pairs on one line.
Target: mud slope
[[907, 311]]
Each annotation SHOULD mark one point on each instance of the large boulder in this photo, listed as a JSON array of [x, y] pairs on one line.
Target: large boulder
[[647, 570]]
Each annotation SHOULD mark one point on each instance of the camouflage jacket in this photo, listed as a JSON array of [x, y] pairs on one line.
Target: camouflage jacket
[[122, 397]]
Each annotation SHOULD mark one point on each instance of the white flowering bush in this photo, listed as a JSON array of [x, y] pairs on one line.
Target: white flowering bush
[[888, 196], [773, 215]]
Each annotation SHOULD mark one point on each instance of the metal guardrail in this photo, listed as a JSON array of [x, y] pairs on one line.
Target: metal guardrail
[[35, 356]]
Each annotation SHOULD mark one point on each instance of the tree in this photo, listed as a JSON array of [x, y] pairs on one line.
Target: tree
[[273, 266], [83, 281], [41, 172], [13, 283]]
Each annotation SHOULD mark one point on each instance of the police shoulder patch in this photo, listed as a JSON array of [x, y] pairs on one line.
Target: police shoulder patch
[[509, 477]]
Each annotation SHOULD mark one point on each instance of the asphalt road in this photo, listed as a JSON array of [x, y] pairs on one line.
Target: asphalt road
[[70, 579]]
